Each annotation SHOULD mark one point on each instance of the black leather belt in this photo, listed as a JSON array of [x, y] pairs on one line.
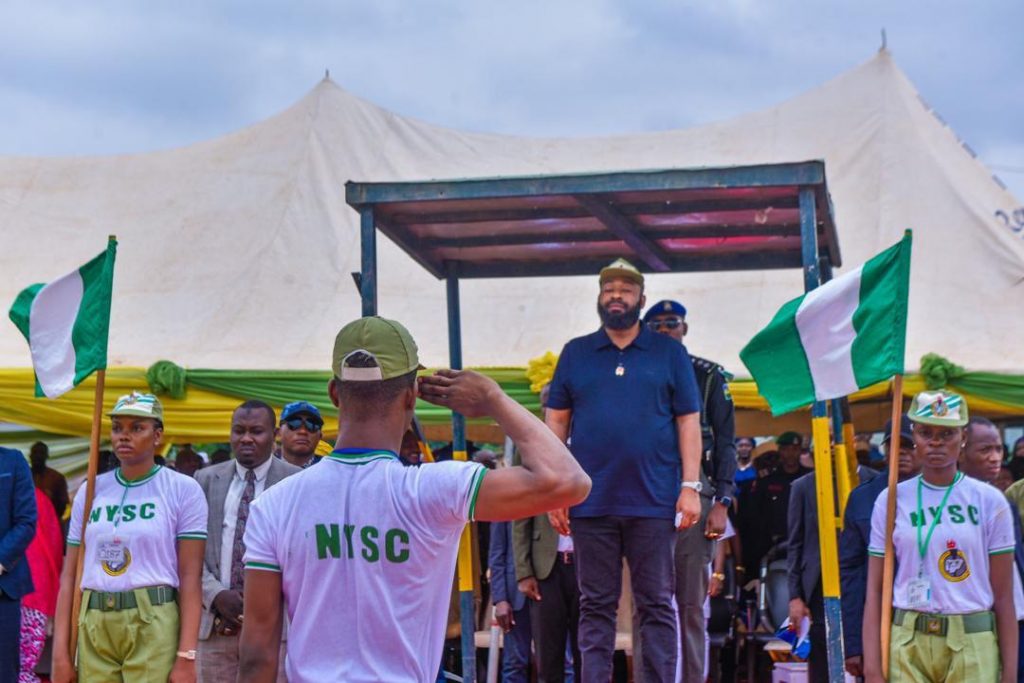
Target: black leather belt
[[566, 557]]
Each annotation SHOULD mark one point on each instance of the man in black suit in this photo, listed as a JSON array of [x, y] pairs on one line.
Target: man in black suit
[[17, 528], [546, 570], [853, 542], [803, 562]]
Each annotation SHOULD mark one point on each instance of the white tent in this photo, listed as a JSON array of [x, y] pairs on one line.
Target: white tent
[[237, 252]]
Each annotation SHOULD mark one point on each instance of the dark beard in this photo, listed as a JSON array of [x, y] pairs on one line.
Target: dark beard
[[619, 321]]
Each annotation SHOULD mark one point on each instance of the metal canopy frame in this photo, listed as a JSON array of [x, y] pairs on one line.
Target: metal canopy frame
[[675, 220]]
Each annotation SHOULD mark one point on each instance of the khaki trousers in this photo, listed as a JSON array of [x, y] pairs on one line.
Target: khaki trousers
[[917, 657], [136, 645]]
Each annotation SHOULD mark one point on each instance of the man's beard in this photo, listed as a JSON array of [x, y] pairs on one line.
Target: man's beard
[[619, 321]]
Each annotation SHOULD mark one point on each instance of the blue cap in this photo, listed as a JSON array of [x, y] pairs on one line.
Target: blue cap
[[906, 432], [663, 307], [297, 407]]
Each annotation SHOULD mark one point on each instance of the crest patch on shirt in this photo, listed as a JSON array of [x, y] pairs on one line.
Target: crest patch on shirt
[[116, 568], [953, 564]]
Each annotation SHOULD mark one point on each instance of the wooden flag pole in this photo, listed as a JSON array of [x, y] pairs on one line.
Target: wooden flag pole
[[90, 492], [889, 562]]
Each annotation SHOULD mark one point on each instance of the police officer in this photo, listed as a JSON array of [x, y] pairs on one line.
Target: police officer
[[695, 545]]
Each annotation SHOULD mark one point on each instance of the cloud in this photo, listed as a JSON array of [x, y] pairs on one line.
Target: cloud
[[110, 76]]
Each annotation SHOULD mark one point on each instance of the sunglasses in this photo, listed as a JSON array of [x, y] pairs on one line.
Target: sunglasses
[[295, 423], [667, 323]]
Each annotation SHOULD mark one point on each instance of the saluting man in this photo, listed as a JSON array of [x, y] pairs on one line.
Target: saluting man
[[362, 548]]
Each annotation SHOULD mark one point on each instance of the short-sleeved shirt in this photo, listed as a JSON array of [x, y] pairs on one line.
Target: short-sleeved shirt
[[975, 524], [366, 549], [145, 518], [623, 431]]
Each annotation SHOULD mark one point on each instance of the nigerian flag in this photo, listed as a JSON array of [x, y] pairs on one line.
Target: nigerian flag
[[843, 336], [66, 323]]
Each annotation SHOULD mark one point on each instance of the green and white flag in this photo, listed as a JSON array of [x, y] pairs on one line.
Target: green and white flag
[[843, 336], [66, 323]]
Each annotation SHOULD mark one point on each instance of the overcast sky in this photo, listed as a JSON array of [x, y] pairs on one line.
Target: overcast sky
[[104, 77]]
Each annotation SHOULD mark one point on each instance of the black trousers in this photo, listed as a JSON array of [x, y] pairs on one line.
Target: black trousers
[[817, 663], [10, 637], [555, 620]]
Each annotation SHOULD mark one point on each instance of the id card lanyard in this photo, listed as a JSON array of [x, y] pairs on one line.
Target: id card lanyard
[[124, 495], [922, 548]]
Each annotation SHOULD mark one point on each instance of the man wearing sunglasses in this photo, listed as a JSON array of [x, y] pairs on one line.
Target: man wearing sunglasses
[[300, 431], [718, 469]]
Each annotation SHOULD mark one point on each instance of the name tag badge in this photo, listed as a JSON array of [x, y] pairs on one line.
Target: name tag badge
[[919, 594], [112, 549]]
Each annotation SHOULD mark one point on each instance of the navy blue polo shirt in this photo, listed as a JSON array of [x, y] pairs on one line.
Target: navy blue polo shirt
[[623, 429]]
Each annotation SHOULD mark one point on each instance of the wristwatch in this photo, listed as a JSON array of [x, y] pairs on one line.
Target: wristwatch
[[695, 485], [187, 654], [724, 500]]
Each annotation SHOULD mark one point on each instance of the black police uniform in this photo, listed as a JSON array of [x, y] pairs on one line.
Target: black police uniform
[[693, 549]]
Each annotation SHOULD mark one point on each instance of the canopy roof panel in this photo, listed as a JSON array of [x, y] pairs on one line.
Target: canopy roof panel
[[732, 218]]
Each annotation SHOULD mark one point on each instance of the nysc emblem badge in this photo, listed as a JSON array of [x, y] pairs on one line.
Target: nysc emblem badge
[[953, 564]]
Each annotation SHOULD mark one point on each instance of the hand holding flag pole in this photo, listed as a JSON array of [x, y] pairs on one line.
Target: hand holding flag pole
[[889, 562], [67, 324]]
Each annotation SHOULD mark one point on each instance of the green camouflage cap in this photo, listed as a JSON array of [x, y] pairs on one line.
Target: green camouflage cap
[[137, 404], [940, 408], [386, 341], [621, 268]]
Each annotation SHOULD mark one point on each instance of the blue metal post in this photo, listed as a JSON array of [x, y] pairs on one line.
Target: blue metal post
[[823, 461], [465, 566], [368, 276]]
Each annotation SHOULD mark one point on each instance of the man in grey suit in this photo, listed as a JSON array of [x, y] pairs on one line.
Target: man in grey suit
[[803, 561], [230, 487]]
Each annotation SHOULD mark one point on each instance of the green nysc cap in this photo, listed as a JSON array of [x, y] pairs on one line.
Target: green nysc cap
[[137, 404], [939, 408], [386, 341]]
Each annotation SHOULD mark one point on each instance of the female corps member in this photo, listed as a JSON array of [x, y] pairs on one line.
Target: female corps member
[[953, 616], [142, 573]]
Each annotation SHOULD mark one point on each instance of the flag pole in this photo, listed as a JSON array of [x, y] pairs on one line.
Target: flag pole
[[90, 491], [889, 562]]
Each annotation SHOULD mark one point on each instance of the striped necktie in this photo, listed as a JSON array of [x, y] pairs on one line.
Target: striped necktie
[[238, 549]]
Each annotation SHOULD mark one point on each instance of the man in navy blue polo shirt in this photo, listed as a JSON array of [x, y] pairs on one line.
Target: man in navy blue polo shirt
[[626, 401]]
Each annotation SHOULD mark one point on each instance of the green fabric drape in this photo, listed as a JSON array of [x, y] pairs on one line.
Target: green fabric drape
[[940, 372], [279, 387]]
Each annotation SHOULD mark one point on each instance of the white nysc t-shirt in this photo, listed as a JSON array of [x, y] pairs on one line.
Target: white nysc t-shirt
[[131, 540], [974, 524], [366, 549]]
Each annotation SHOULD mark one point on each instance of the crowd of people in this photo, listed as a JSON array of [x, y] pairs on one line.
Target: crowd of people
[[265, 561]]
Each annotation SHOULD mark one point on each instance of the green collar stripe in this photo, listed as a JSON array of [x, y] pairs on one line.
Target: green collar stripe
[[475, 491], [136, 482], [362, 458], [933, 487]]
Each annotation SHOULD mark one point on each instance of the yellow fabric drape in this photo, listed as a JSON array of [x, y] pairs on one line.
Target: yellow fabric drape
[[201, 417], [204, 416]]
